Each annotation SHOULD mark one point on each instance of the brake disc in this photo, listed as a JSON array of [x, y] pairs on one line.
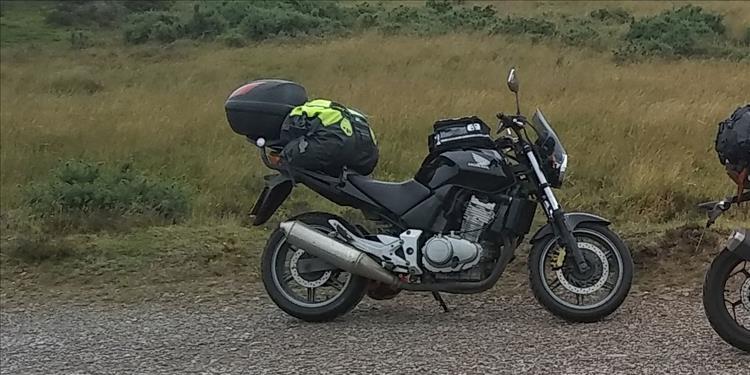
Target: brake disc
[[599, 283], [324, 276]]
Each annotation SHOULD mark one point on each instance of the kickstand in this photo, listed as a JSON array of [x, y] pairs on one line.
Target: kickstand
[[438, 298]]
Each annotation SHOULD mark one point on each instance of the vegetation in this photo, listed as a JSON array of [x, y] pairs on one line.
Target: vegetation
[[137, 103], [686, 31], [80, 190]]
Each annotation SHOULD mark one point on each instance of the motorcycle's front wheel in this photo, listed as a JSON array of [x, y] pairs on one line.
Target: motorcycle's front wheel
[[726, 299], [311, 296], [581, 297]]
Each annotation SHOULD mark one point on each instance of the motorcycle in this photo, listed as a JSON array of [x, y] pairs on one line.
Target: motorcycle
[[726, 290], [453, 228]]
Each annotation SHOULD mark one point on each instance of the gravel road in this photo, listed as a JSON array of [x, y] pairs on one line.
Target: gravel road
[[484, 334]]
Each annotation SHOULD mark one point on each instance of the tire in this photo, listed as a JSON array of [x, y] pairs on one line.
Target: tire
[[346, 299], [713, 301], [596, 312]]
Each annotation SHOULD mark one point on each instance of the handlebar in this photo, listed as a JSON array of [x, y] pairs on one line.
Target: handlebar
[[511, 121], [717, 208]]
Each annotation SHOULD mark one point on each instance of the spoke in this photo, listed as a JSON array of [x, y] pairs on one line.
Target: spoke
[[579, 299], [336, 284], [554, 285], [609, 285], [609, 254], [739, 271], [287, 278], [311, 294]]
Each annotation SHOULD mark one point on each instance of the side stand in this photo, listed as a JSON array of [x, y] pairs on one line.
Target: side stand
[[439, 298]]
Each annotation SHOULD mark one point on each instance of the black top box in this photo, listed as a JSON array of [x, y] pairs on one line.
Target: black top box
[[258, 108]]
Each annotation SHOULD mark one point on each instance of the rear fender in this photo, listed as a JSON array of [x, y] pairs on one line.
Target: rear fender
[[574, 219], [275, 192]]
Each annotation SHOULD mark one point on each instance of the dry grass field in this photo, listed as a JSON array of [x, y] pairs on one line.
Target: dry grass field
[[640, 135]]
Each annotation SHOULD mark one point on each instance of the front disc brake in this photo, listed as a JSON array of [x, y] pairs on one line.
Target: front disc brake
[[602, 278]]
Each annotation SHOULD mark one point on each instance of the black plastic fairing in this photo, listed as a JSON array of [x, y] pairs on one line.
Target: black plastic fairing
[[275, 192]]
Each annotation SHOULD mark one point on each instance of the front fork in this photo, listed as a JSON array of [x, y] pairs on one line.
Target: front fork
[[556, 215]]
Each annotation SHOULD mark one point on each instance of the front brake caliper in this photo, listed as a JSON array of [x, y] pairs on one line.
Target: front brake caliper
[[559, 259]]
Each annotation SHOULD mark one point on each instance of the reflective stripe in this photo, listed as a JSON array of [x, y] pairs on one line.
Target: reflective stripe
[[346, 127], [330, 113]]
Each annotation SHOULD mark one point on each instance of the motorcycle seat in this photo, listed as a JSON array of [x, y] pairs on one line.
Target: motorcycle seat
[[397, 197]]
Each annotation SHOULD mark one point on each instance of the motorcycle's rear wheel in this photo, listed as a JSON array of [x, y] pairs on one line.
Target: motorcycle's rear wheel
[[723, 268], [314, 297], [579, 297]]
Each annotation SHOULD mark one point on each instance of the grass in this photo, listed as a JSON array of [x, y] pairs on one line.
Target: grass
[[22, 24], [640, 135], [157, 257]]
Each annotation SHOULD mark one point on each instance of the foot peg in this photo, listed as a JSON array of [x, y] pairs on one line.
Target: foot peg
[[439, 298]]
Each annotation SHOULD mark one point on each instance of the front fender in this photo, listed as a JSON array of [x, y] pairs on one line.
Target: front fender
[[739, 243], [574, 219]]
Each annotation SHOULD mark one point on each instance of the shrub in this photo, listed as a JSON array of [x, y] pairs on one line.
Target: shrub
[[233, 39], [580, 34], [86, 13], [612, 15], [521, 25], [78, 189], [472, 19], [204, 24], [74, 81], [264, 23], [147, 5], [38, 248], [147, 26], [686, 31], [80, 39]]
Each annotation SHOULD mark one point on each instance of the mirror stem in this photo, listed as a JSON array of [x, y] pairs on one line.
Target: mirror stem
[[518, 107]]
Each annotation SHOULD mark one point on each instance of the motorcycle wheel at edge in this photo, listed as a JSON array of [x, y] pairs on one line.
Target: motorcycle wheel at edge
[[723, 269], [577, 297]]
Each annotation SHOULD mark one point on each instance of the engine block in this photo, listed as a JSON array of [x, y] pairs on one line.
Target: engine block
[[450, 254], [476, 216]]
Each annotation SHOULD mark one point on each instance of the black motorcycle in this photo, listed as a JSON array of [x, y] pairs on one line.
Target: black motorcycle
[[453, 228], [726, 291]]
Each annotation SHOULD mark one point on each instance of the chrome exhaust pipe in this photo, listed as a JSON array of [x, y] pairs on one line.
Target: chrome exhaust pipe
[[336, 252]]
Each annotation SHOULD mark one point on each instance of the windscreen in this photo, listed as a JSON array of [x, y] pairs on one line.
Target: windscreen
[[548, 143]]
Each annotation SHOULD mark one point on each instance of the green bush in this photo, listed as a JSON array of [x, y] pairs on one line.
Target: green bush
[[580, 34], [39, 248], [147, 5], [682, 32], [204, 24], [264, 23], [80, 40], [233, 39], [612, 15], [86, 13], [521, 25], [161, 26], [78, 189]]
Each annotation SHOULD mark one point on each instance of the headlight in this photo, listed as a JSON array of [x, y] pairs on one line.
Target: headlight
[[558, 164]]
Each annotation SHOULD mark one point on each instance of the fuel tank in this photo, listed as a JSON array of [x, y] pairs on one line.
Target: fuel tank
[[484, 170]]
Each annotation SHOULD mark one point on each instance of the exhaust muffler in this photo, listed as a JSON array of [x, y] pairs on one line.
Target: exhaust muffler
[[336, 252]]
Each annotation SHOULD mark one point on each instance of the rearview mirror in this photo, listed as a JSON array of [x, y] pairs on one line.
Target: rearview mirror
[[513, 81]]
